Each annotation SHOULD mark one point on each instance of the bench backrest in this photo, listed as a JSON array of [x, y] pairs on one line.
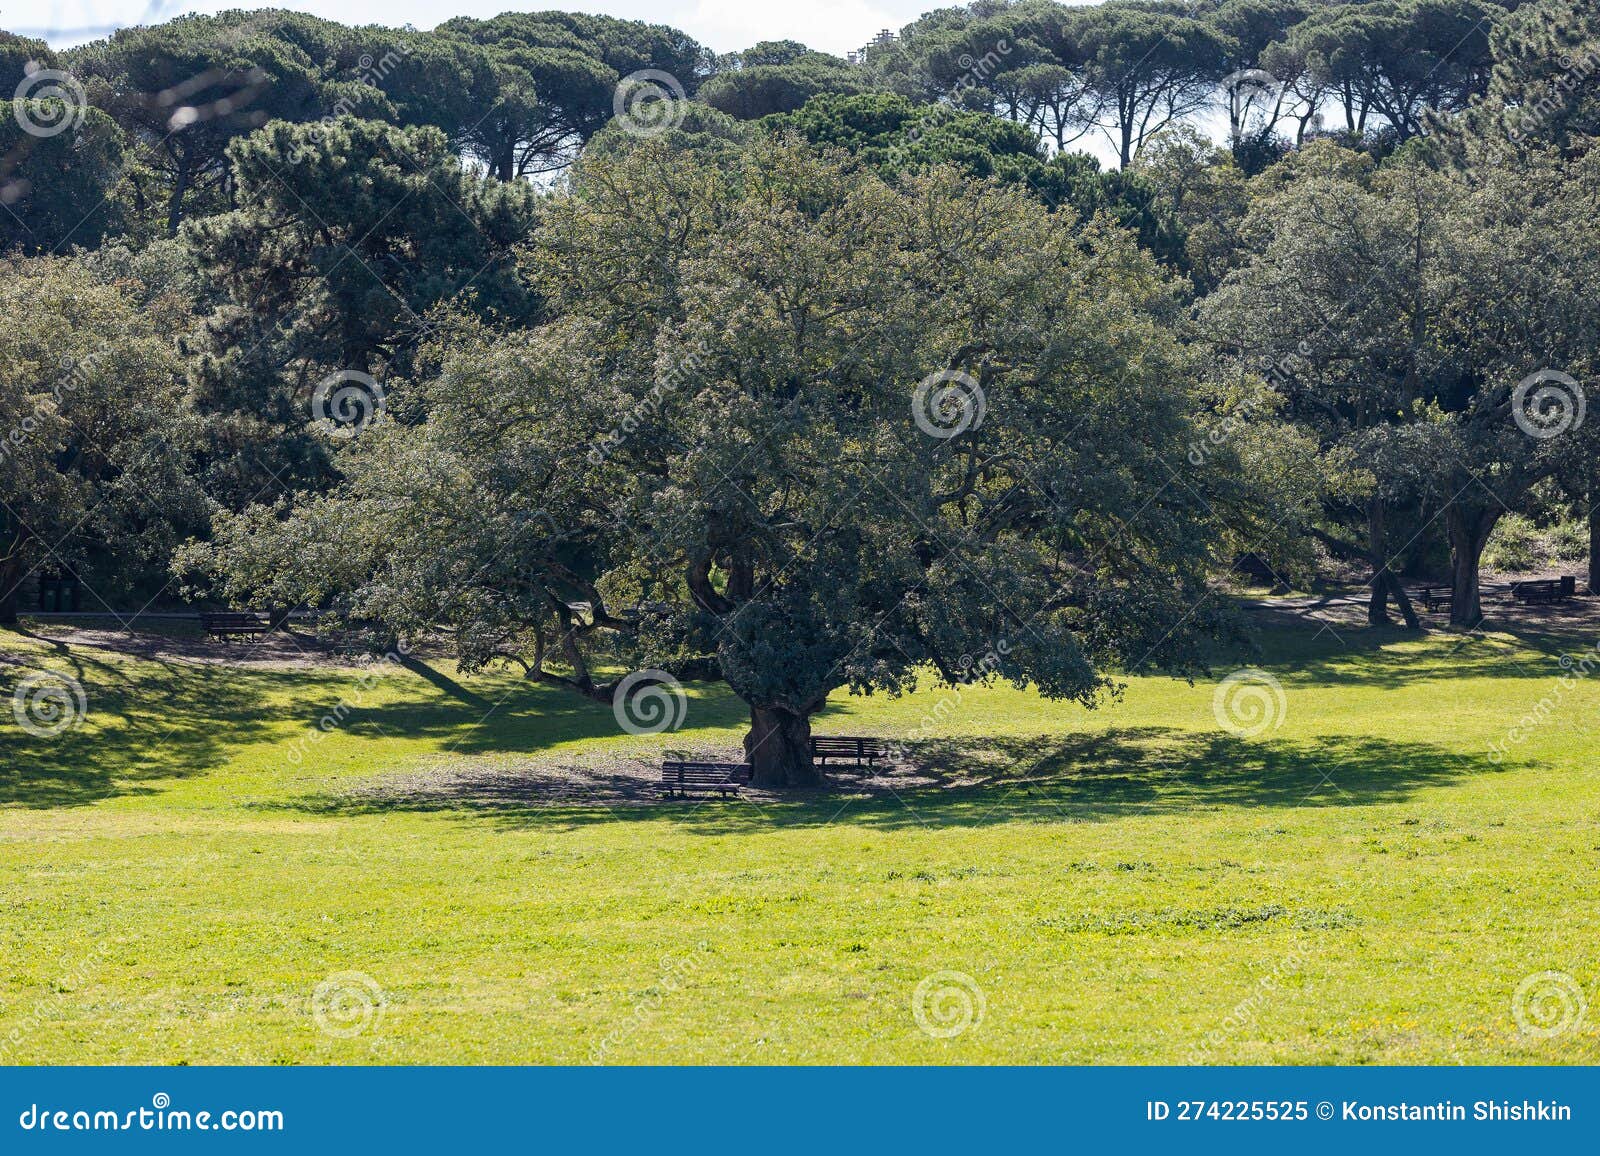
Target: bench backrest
[[835, 743], [701, 773]]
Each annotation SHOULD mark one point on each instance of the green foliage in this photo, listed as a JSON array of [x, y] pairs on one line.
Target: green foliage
[[623, 46], [1519, 544], [357, 200], [1202, 194], [58, 190], [355, 230], [1546, 57], [186, 88], [1515, 546], [18, 56], [757, 90], [777, 52], [93, 470], [345, 236], [1148, 66], [1569, 541], [528, 92], [1398, 309], [1398, 58], [897, 136]]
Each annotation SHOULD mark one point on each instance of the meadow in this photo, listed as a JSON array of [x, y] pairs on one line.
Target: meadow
[[460, 870]]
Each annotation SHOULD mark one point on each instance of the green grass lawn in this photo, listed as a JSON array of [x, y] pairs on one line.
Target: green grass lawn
[[1129, 885]]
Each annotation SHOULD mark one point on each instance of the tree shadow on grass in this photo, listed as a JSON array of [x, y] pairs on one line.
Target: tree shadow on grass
[[1360, 658], [149, 718], [169, 721], [522, 718], [444, 682], [152, 720], [1160, 770], [967, 783], [1515, 641]]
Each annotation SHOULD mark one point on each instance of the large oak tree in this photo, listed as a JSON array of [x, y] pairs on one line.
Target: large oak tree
[[838, 433]]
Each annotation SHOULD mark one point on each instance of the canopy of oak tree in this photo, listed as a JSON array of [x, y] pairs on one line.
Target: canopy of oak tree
[[709, 447]]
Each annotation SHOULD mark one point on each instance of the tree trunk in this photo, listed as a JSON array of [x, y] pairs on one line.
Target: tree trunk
[[1469, 531], [1402, 600], [1594, 540], [180, 186], [1385, 584], [1378, 603], [10, 591], [778, 749]]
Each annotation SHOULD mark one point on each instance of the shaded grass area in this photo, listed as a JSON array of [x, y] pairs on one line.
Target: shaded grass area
[[183, 869], [978, 780]]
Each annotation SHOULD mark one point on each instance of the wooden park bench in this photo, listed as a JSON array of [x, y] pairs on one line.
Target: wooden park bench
[[1434, 597], [230, 624], [679, 777], [1544, 589], [861, 751]]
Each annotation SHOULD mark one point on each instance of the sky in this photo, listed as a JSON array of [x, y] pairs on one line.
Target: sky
[[836, 26]]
